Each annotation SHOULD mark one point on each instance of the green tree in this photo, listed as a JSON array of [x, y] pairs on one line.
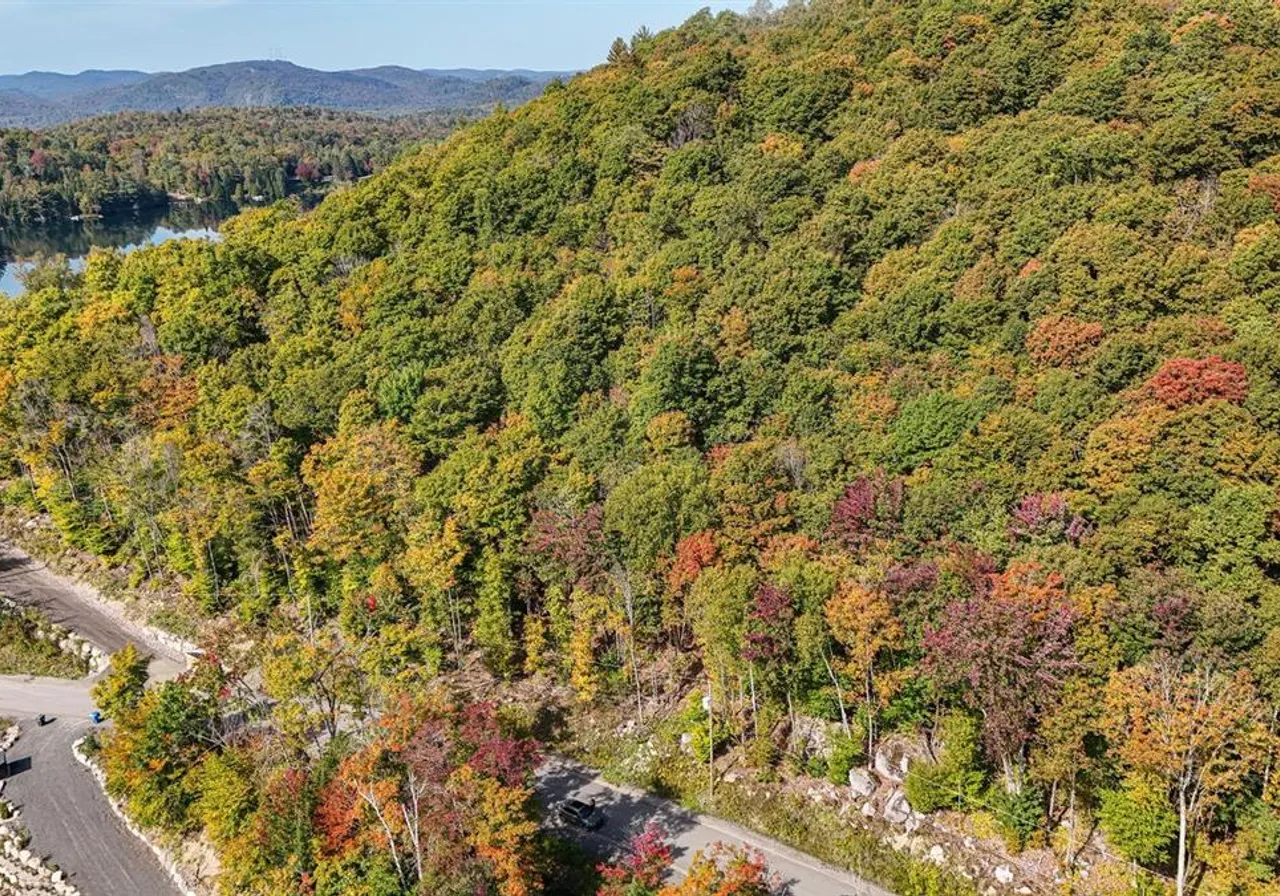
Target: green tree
[[120, 691], [1139, 821]]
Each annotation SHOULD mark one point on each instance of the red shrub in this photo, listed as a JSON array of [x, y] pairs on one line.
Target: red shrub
[[1185, 381]]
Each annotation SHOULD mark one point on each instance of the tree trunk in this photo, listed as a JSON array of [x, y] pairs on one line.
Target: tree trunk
[[835, 680], [1011, 782], [1071, 839], [711, 743], [213, 569], [755, 706], [631, 648], [1182, 842], [388, 833], [871, 715]]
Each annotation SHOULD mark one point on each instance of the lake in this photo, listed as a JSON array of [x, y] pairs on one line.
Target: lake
[[75, 239]]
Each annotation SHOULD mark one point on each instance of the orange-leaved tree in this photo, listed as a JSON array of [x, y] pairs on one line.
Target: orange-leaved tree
[[1196, 729], [862, 620]]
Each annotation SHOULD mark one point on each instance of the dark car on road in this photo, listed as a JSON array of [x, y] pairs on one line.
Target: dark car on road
[[581, 815]]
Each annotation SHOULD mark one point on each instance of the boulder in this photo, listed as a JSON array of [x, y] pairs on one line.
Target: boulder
[[896, 809], [861, 782], [887, 768], [1004, 874], [893, 757], [811, 737]]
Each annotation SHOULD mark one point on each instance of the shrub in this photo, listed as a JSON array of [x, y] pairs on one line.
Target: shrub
[[956, 781], [928, 788], [1018, 815], [846, 753], [1062, 341], [29, 647]]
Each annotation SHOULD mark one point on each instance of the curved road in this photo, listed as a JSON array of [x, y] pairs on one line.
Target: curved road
[[62, 805], [31, 583], [627, 811], [70, 820], [23, 697]]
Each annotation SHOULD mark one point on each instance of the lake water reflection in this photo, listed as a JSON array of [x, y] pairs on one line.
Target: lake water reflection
[[75, 239]]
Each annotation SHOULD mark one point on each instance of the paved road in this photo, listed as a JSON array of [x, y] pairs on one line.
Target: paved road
[[32, 584], [24, 697], [69, 819], [629, 810], [62, 805]]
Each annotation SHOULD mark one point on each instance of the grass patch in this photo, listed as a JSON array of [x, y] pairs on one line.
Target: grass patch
[[23, 652]]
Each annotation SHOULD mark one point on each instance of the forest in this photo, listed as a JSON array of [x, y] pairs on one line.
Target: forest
[[908, 366], [117, 163]]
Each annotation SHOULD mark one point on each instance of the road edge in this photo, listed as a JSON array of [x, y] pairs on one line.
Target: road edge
[[12, 846], [166, 859], [756, 839], [171, 646]]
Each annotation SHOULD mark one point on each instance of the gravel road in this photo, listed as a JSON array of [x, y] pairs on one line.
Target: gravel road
[[25, 698]]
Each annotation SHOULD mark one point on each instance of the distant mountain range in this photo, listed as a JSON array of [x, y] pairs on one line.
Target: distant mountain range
[[39, 99]]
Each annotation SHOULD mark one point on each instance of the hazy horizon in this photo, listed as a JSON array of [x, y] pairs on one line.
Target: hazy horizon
[[72, 36], [159, 71]]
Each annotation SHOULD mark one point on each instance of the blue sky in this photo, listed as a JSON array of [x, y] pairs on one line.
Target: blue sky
[[169, 35]]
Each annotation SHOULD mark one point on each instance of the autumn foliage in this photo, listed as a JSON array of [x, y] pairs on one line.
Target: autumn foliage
[[1062, 341], [1008, 649], [633, 396], [1184, 381], [442, 793], [721, 870], [870, 507]]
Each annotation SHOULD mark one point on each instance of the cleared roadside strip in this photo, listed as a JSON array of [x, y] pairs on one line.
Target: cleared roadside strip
[[689, 832]]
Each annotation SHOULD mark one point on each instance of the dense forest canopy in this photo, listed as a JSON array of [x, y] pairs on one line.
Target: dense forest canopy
[[123, 161], [913, 364]]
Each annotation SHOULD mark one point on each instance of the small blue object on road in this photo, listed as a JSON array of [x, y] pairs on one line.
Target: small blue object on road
[[96, 717]]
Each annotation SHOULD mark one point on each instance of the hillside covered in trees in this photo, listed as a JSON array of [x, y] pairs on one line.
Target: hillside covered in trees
[[909, 365], [119, 162]]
